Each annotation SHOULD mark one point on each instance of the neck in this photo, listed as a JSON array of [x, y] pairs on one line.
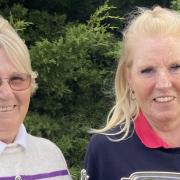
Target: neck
[[168, 130]]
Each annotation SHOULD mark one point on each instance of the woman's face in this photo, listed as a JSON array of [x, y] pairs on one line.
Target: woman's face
[[13, 104], [155, 78]]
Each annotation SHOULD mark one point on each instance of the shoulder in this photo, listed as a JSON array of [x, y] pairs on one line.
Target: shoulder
[[44, 147], [99, 140], [43, 150], [110, 137], [98, 143], [39, 141]]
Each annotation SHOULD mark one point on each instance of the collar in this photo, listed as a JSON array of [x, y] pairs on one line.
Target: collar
[[21, 139], [146, 134]]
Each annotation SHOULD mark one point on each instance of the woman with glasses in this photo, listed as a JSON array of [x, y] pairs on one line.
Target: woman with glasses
[[141, 139], [22, 156]]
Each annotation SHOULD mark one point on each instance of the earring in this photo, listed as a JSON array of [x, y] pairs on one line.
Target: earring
[[132, 94]]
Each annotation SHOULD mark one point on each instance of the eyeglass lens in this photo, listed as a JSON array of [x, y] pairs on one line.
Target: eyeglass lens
[[18, 81]]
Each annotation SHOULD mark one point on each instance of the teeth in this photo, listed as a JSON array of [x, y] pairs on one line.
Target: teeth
[[6, 108], [164, 99]]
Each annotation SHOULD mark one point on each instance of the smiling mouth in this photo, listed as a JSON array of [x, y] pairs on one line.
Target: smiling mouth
[[164, 99], [7, 108]]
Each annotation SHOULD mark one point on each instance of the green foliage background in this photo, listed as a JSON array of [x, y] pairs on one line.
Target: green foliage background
[[74, 47]]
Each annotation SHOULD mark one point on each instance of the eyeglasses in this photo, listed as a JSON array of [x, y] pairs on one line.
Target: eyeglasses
[[18, 81]]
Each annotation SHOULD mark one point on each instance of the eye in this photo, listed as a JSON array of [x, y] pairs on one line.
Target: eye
[[148, 70], [175, 67], [17, 78]]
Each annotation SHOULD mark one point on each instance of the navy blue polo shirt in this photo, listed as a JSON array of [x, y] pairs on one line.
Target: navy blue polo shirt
[[143, 151]]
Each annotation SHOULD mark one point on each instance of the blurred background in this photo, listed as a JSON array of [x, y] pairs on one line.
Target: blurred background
[[74, 47]]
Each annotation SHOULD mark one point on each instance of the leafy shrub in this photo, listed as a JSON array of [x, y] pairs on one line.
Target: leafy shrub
[[74, 67], [175, 4]]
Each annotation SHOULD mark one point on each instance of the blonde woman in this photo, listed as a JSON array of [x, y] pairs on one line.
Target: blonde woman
[[142, 135], [22, 156]]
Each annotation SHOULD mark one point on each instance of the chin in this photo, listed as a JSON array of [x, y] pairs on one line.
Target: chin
[[165, 115]]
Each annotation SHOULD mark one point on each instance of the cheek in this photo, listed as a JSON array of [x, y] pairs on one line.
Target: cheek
[[24, 106], [176, 83], [143, 90], [23, 99]]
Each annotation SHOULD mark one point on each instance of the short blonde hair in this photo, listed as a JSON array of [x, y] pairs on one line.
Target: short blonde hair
[[146, 23], [16, 50]]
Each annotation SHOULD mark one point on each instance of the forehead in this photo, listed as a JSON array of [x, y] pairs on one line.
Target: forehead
[[6, 65], [156, 49]]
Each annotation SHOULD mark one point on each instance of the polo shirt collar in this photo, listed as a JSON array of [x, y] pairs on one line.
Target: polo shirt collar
[[146, 134], [21, 139]]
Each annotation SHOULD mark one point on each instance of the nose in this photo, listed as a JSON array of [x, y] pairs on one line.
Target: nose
[[163, 80]]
